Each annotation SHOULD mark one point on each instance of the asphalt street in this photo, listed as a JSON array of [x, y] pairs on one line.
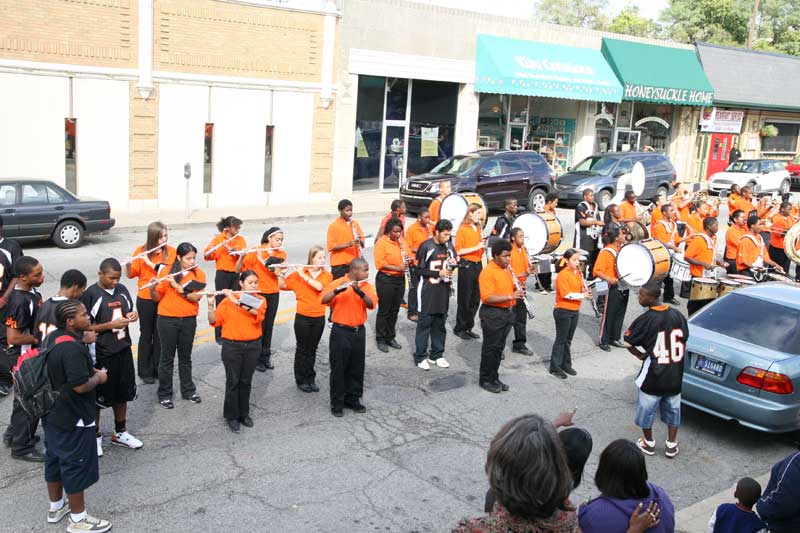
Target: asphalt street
[[413, 462]]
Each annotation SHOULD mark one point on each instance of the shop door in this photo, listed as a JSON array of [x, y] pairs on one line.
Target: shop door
[[626, 141], [718, 153], [516, 138]]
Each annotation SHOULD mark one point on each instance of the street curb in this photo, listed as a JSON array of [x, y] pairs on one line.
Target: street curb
[[694, 519]]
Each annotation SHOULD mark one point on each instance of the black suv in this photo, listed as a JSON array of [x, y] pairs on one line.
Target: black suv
[[494, 174], [602, 172]]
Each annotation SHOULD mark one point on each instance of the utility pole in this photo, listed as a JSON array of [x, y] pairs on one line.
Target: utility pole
[[751, 34]]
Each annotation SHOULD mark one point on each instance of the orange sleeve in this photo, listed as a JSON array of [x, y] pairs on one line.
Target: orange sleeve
[[567, 282], [627, 211], [331, 240], [381, 253], [660, 233], [695, 247], [216, 240], [696, 223], [433, 209], [605, 264], [486, 283]]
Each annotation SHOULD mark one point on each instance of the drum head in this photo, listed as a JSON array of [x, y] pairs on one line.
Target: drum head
[[635, 264], [454, 208], [535, 229]]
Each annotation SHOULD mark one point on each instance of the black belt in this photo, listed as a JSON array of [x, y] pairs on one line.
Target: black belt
[[241, 342], [498, 307], [348, 328]]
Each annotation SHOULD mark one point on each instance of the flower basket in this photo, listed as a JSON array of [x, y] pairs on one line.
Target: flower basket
[[769, 131]]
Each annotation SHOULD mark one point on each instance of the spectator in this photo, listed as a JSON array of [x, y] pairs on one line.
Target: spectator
[[621, 478], [739, 517], [778, 507]]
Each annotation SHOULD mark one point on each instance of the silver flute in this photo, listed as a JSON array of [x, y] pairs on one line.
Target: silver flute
[[517, 287], [218, 246], [159, 280], [143, 254]]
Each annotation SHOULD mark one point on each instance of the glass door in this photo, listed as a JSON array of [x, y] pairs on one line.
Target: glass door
[[394, 148], [626, 140]]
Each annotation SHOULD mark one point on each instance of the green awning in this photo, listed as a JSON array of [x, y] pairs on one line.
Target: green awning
[[659, 74], [512, 66]]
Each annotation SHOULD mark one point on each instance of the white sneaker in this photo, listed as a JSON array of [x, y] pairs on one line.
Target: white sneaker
[[126, 439], [89, 523], [424, 365], [55, 516], [99, 446], [442, 363]]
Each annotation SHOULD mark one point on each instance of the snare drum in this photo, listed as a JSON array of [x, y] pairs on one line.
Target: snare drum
[[543, 231], [726, 286], [680, 269], [546, 264], [640, 262], [455, 205], [740, 277], [781, 278], [704, 289]]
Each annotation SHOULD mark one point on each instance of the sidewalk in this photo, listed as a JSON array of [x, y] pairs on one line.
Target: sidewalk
[[694, 519], [365, 204]]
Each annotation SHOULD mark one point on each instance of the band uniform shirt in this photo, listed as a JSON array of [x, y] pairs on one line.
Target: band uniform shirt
[[568, 281], [257, 262], [348, 308], [732, 197], [10, 251], [107, 305], [341, 231], [433, 292], [46, 317], [386, 218], [502, 227], [696, 223], [145, 274], [700, 248], [732, 237], [520, 263], [682, 212], [174, 304], [468, 236], [667, 232], [752, 251], [417, 234], [20, 313], [743, 204], [661, 333], [223, 260], [387, 253], [308, 298], [655, 217], [606, 262], [434, 207], [780, 224], [498, 281], [237, 323], [589, 212], [627, 211]]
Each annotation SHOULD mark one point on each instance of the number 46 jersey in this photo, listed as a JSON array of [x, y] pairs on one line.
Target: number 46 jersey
[[106, 306], [660, 334]]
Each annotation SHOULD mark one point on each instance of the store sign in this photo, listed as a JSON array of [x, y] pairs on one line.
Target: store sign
[[658, 120], [721, 121], [667, 95], [430, 142]]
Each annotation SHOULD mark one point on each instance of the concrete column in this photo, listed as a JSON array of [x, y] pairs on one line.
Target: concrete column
[[145, 82], [328, 51], [466, 134]]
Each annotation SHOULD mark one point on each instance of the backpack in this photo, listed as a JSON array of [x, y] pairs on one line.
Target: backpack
[[32, 384]]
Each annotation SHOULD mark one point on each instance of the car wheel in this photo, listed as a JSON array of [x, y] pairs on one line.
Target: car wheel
[[603, 199], [785, 186], [661, 192], [536, 201], [68, 234]]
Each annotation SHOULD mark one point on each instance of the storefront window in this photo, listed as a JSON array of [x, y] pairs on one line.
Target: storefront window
[[786, 140], [396, 98], [369, 125], [551, 131], [70, 149], [433, 121], [604, 118], [492, 119], [518, 122], [654, 122]]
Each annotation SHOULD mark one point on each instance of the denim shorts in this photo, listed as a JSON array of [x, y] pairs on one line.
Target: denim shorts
[[71, 457], [669, 407]]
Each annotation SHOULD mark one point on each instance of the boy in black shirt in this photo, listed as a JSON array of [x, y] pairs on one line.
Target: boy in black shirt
[[18, 337], [10, 251], [111, 309], [73, 284]]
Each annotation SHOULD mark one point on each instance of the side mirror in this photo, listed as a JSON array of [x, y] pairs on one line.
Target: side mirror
[[618, 173], [482, 175]]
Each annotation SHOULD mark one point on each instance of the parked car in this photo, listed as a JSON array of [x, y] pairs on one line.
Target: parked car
[[793, 167], [764, 175], [494, 174], [35, 209], [602, 172], [745, 366]]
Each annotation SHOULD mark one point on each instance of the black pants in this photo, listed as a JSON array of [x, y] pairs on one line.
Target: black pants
[[339, 270], [21, 430], [390, 291], [469, 296], [413, 301], [347, 346], [613, 315], [307, 331], [177, 334], [566, 323], [239, 359], [779, 256], [669, 289], [495, 324], [430, 327], [520, 323], [731, 265], [149, 343], [7, 362], [273, 300], [590, 261], [224, 279], [546, 281], [693, 306]]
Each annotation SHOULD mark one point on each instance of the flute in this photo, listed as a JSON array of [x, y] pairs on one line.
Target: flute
[[143, 254], [218, 246], [296, 265], [214, 293], [159, 280], [252, 250], [517, 287]]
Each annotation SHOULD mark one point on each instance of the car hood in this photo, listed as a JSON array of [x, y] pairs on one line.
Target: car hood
[[713, 344], [578, 178], [434, 177], [734, 176]]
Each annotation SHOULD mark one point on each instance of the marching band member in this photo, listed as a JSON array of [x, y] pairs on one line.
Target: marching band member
[[175, 292], [241, 346], [498, 297], [546, 278], [565, 313], [764, 208], [627, 209], [502, 226], [781, 222], [521, 267], [145, 268], [695, 220], [752, 253], [259, 261], [701, 255], [732, 236], [435, 260], [417, 233], [666, 231], [390, 282], [436, 203], [682, 202], [469, 247], [345, 240], [587, 215], [612, 218], [219, 250], [309, 320], [397, 209], [745, 202], [656, 214], [349, 297], [617, 299], [733, 196]]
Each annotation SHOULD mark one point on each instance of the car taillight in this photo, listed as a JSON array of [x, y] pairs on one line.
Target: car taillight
[[766, 381]]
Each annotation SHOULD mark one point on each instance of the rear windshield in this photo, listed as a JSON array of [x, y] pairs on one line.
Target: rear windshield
[[456, 165], [764, 323], [599, 164], [743, 166]]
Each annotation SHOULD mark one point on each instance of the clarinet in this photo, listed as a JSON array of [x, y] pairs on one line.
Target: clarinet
[[450, 264], [356, 238], [407, 264], [517, 287]]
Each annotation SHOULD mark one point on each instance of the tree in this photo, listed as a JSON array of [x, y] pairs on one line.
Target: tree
[[715, 21], [779, 27], [629, 22], [580, 13]]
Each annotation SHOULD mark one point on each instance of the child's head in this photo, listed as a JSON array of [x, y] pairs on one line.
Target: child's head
[[29, 272], [110, 273], [747, 493], [73, 283]]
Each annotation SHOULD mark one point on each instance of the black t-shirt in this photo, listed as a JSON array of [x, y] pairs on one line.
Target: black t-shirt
[[20, 313], [106, 306], [584, 211], [69, 365], [660, 333], [46, 317], [433, 292], [10, 250], [502, 227]]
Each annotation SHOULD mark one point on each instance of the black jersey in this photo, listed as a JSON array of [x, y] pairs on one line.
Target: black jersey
[[583, 239], [502, 227], [661, 334], [433, 292], [46, 317], [20, 313], [10, 251], [106, 306]]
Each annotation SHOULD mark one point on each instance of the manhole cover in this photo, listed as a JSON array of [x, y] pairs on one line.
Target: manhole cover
[[449, 382]]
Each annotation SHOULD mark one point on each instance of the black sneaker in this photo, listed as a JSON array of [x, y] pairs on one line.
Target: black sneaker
[[571, 371], [356, 406], [305, 387], [261, 367], [503, 386], [246, 421], [462, 335], [314, 387], [558, 373], [234, 425], [394, 344], [491, 387], [33, 456], [672, 301], [617, 344], [194, 398], [605, 347], [4, 390], [382, 347], [523, 351], [167, 404], [337, 412], [472, 335]]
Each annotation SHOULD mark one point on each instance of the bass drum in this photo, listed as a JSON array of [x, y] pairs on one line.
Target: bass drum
[[636, 231], [543, 232], [640, 262], [455, 205]]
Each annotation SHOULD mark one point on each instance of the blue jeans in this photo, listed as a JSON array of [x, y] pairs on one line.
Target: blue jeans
[[668, 406], [433, 327]]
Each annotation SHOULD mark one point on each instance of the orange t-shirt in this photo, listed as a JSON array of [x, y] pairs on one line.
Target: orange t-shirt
[[348, 307], [700, 248], [495, 280], [683, 212], [745, 205], [386, 218], [655, 216], [387, 252], [732, 199], [520, 262], [468, 236], [239, 324], [732, 237], [339, 232], [606, 263], [308, 298], [782, 223], [267, 279], [434, 207], [224, 260], [162, 258], [172, 303], [749, 251], [695, 222], [627, 210], [568, 281], [417, 234], [666, 232]]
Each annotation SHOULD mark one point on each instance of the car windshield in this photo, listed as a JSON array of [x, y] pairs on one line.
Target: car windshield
[[764, 323], [458, 166], [743, 166], [596, 163]]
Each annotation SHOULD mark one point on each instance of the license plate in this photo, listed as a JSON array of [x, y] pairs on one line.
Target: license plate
[[709, 366]]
